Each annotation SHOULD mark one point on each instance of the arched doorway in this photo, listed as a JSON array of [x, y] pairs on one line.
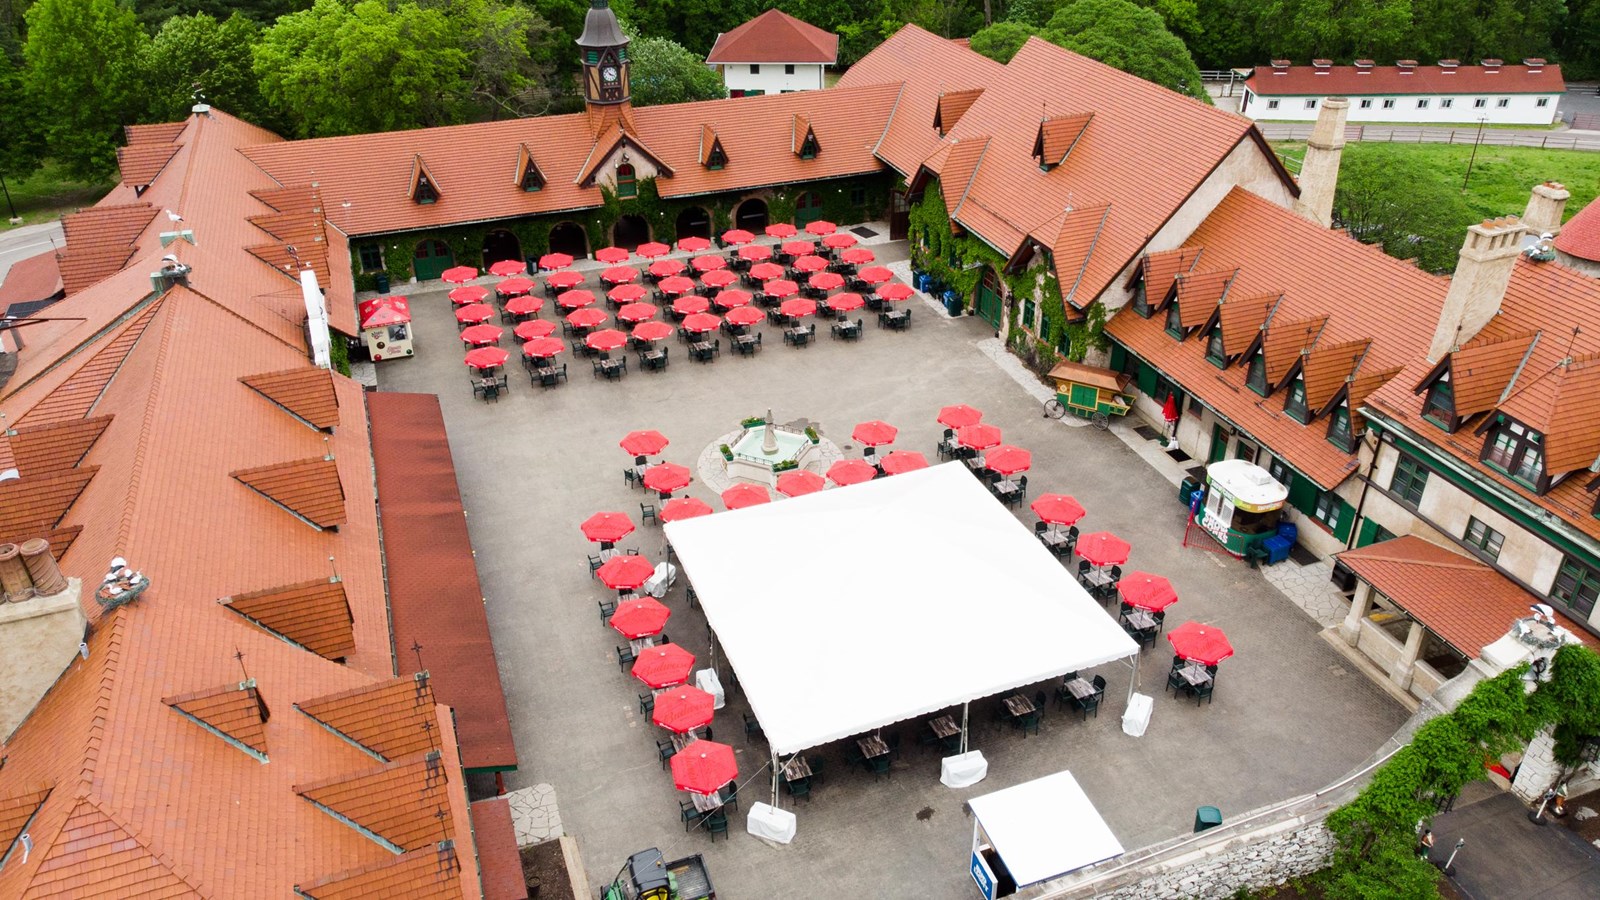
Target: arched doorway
[[807, 209], [569, 238], [430, 258], [987, 297], [694, 222], [630, 231], [498, 245], [751, 215]]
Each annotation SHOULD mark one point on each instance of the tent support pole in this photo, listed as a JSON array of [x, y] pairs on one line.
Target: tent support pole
[[775, 775], [964, 709], [1133, 677]]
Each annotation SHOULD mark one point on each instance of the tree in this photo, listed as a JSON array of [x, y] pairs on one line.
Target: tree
[[505, 78], [83, 60], [1002, 40], [663, 71], [153, 14], [198, 51], [947, 18], [23, 146], [1336, 29], [1133, 39]]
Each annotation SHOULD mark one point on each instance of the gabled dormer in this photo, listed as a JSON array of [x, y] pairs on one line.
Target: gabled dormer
[[1153, 278], [951, 107], [236, 713], [1473, 379], [1544, 431], [712, 156], [1279, 347], [1194, 298], [803, 139], [1233, 327], [1056, 138], [424, 189], [529, 178], [1345, 423]]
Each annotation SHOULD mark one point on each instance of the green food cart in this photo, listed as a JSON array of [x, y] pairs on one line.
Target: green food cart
[[1089, 392]]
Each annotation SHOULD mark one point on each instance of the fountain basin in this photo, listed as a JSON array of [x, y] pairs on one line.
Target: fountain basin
[[750, 463]]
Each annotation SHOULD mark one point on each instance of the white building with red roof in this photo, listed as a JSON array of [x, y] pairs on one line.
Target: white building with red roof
[[1441, 94], [774, 53]]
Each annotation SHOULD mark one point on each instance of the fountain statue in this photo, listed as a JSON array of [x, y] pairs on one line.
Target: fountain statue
[[769, 441]]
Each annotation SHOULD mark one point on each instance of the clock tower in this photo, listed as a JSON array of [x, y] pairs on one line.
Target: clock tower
[[603, 51]]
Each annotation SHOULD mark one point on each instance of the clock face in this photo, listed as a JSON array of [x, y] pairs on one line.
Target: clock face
[[609, 74]]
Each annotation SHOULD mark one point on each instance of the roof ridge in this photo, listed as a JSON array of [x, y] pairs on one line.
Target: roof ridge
[[175, 868], [237, 315], [147, 421], [113, 623]]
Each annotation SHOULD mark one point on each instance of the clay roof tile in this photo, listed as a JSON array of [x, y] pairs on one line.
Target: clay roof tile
[[775, 37], [1241, 320], [314, 614], [39, 449], [426, 873], [395, 804], [1326, 367], [100, 241], [1482, 370], [309, 488], [141, 163], [952, 105], [1199, 293], [391, 718], [234, 711], [306, 393]]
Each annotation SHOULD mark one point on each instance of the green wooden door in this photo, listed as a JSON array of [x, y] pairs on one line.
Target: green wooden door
[[1219, 444], [430, 259], [988, 299], [807, 209]]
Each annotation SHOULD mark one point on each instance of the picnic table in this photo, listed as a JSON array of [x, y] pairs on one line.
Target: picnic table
[[1080, 688], [872, 745], [1019, 706], [944, 727], [796, 769], [705, 803], [1195, 675]]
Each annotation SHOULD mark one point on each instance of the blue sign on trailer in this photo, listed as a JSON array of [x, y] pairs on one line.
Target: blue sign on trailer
[[982, 875]]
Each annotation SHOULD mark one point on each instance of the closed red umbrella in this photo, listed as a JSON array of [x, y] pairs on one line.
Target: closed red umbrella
[[552, 261], [701, 322], [458, 274], [1147, 591], [1169, 410], [481, 335], [619, 275], [901, 461], [606, 340], [742, 495], [704, 767], [625, 571], [737, 236], [487, 357], [661, 268], [755, 252], [611, 255], [766, 271], [718, 278], [513, 287], [542, 348], [839, 241], [652, 249], [1008, 460], [744, 315], [798, 307], [874, 433], [875, 275], [1201, 643], [896, 291], [472, 293], [780, 230], [607, 527], [640, 618], [731, 298], [851, 471], [575, 299], [683, 708], [637, 312], [708, 262], [536, 328], [826, 281], [858, 256], [821, 226], [693, 244], [666, 477], [799, 248], [627, 293], [797, 482], [474, 313], [664, 666], [1102, 548], [507, 267], [780, 287], [525, 305], [653, 330], [691, 304], [978, 436], [588, 317], [562, 281], [959, 416], [680, 508], [1057, 509], [810, 264], [846, 302], [646, 442], [675, 284]]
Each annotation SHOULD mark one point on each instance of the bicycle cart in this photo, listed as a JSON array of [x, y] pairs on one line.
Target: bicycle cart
[[1089, 392]]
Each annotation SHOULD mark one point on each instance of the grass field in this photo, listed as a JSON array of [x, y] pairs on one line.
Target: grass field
[[48, 193]]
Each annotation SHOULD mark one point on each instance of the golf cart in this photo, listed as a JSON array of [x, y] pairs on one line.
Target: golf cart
[[648, 877]]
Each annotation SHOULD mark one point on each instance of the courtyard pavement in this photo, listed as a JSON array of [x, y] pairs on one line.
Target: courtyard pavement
[[1288, 716]]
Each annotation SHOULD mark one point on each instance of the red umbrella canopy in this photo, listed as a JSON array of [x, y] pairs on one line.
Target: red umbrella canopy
[[875, 275], [732, 297], [637, 312], [675, 284], [1008, 460], [635, 619], [683, 708], [741, 495], [667, 477], [846, 302], [798, 306], [744, 315], [625, 571], [563, 280], [718, 278], [575, 299], [652, 249], [474, 312], [978, 436], [481, 335], [652, 331], [487, 357], [459, 274], [619, 275], [611, 255], [607, 526], [511, 287], [799, 248], [648, 442], [588, 317], [904, 461], [874, 433], [1102, 548], [780, 230], [663, 666], [701, 322], [472, 293], [826, 281], [1169, 412], [1147, 591], [1201, 643], [525, 305], [821, 226], [737, 236], [627, 293], [755, 252], [810, 264], [766, 271], [535, 328], [797, 482], [708, 262], [542, 348], [896, 291], [693, 244], [555, 261], [1057, 509], [704, 767], [508, 267], [851, 471], [959, 416], [680, 508], [839, 241], [662, 268], [606, 339], [691, 304], [858, 256], [780, 287]]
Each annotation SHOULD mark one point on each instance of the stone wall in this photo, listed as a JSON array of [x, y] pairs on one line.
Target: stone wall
[[1270, 862]]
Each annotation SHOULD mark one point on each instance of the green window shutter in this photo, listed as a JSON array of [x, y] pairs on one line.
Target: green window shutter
[[1119, 357], [1303, 495], [1347, 515], [1147, 379], [1369, 530]]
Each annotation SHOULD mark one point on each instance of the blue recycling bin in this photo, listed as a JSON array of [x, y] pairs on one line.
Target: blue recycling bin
[[922, 281]]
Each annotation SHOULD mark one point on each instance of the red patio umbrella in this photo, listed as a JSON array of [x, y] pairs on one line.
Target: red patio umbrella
[[473, 313], [458, 274], [481, 335], [506, 267], [625, 571], [742, 495], [1201, 643], [704, 767], [851, 471], [525, 305], [637, 312], [680, 508], [607, 527], [701, 322], [809, 263], [1008, 460], [1102, 548], [780, 230], [874, 433], [647, 442], [839, 241], [731, 298], [675, 284], [1147, 591], [652, 249], [798, 307], [588, 317], [536, 328], [472, 293], [718, 278], [780, 287], [562, 281], [653, 330], [896, 291], [799, 248], [627, 293], [858, 256], [797, 482], [1057, 509], [606, 340], [661, 268], [958, 416], [552, 261], [666, 477], [875, 275], [663, 666], [487, 357], [513, 287], [575, 299], [901, 461], [708, 262], [611, 255], [619, 275], [765, 271], [737, 236], [635, 619], [744, 315], [693, 244], [690, 304], [826, 281], [978, 436], [821, 226], [755, 252], [683, 708], [542, 348]]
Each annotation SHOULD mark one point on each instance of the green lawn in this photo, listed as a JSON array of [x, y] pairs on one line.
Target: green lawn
[[48, 193]]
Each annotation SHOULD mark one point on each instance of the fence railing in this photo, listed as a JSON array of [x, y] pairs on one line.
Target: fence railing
[[1554, 140]]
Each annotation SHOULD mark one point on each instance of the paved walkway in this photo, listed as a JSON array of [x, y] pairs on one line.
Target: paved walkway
[[1507, 857]]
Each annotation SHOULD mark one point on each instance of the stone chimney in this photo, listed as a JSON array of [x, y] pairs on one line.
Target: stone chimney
[[41, 626], [1546, 208], [1482, 273], [1319, 172]]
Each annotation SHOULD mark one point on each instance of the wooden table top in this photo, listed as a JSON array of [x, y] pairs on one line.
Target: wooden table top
[[945, 726], [872, 745], [796, 769], [1080, 688], [1019, 705]]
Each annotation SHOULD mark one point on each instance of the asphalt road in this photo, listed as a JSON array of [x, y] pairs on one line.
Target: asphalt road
[[29, 240]]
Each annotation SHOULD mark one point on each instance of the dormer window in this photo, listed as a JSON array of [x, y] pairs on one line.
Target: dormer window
[[627, 181], [1339, 433], [1256, 377], [531, 179], [1517, 451], [1439, 406], [1214, 353], [1174, 322], [1141, 298], [716, 159], [1295, 403], [808, 147], [425, 192]]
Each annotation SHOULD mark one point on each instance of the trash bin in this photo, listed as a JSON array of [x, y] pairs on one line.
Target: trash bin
[[533, 264], [382, 282], [1186, 489], [1207, 817], [952, 304]]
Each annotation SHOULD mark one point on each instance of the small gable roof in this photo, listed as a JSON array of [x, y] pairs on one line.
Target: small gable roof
[[952, 106], [309, 488], [1057, 135], [1241, 321], [100, 241], [314, 614], [235, 711], [391, 719], [307, 393], [1199, 293], [775, 37]]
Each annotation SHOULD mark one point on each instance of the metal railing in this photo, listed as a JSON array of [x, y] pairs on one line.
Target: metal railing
[[1552, 140]]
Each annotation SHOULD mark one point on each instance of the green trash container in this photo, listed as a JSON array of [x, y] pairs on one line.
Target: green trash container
[[1207, 817], [382, 282], [1186, 490]]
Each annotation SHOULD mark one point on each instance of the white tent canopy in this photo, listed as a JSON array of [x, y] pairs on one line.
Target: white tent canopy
[[1044, 828], [853, 608]]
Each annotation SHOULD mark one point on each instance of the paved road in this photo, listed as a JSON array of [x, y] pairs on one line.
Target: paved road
[[1506, 857], [29, 240], [1465, 134]]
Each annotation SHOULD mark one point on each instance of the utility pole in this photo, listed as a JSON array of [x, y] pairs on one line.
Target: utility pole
[[1474, 158], [12, 209]]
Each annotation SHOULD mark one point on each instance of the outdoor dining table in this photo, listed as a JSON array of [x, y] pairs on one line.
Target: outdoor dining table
[[796, 769], [944, 727], [744, 342], [975, 463], [1019, 706], [1053, 538], [653, 359], [1080, 688], [1195, 675], [706, 803], [1005, 486], [896, 319], [872, 745], [1139, 620], [1097, 576]]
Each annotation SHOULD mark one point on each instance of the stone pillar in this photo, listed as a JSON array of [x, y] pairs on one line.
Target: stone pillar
[[1487, 257], [1360, 605], [1404, 668], [1539, 769], [1546, 207], [1319, 170]]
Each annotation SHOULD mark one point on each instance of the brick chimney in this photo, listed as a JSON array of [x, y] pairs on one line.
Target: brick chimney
[[41, 626], [1319, 172], [1546, 208], [1487, 257]]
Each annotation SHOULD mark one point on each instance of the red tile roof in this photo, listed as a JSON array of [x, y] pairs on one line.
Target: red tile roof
[[1348, 81], [1200, 292], [306, 393], [1057, 135], [497, 850], [1242, 319], [309, 488], [426, 873], [40, 449], [157, 133], [97, 855], [391, 719], [141, 163], [235, 710], [1580, 236], [36, 503], [399, 802], [15, 813], [314, 614], [775, 37], [952, 105], [100, 241], [30, 280]]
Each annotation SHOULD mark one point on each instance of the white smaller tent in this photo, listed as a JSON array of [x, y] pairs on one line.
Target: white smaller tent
[[1039, 829]]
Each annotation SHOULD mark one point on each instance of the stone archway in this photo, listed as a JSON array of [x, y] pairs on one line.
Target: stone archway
[[752, 216], [630, 231], [500, 245], [569, 238], [694, 222]]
